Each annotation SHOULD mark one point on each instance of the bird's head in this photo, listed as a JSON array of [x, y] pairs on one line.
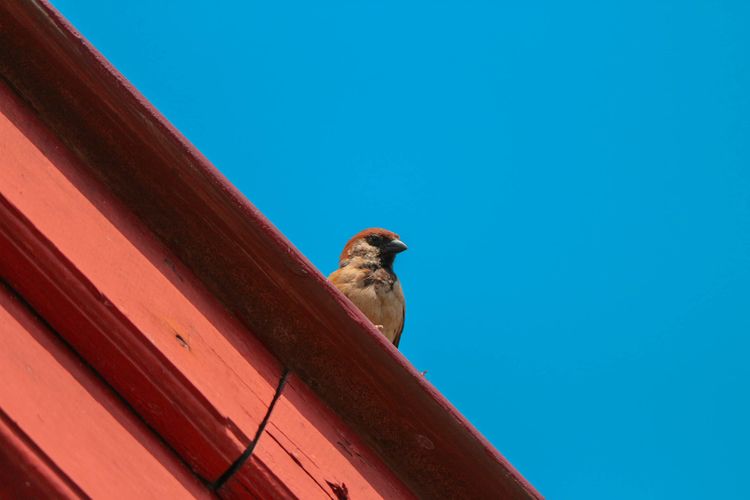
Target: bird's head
[[373, 245]]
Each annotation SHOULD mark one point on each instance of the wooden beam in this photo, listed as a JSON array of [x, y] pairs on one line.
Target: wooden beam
[[125, 302], [93, 446], [307, 451], [246, 262], [25, 470]]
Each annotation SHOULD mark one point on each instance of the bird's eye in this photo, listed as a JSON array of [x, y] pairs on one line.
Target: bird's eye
[[375, 239]]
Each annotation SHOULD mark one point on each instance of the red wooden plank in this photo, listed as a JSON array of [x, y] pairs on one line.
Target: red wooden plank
[[125, 302], [26, 471], [91, 443], [245, 261], [307, 451]]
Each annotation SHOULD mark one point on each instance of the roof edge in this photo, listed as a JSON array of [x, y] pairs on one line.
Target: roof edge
[[244, 260]]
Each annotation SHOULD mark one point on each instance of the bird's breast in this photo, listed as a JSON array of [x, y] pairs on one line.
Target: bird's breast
[[376, 293]]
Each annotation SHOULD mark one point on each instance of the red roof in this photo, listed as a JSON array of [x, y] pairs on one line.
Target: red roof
[[203, 250]]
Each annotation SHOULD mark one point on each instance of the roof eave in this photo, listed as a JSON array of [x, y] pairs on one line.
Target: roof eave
[[244, 260]]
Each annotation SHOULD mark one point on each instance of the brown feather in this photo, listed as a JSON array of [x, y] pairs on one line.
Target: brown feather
[[374, 289], [363, 234], [398, 335]]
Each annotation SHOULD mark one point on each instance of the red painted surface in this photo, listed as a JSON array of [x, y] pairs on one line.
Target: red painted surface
[[26, 471], [91, 443], [125, 302], [235, 253], [306, 451]]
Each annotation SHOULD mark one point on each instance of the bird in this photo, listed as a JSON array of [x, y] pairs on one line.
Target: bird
[[365, 275]]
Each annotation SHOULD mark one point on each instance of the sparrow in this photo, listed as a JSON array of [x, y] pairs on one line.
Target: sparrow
[[365, 275]]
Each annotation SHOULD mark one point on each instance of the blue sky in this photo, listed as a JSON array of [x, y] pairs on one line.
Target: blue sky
[[572, 178]]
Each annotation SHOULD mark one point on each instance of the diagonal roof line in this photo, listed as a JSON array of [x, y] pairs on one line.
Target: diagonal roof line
[[245, 261]]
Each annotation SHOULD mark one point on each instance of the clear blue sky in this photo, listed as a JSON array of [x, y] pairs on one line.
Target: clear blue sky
[[572, 178]]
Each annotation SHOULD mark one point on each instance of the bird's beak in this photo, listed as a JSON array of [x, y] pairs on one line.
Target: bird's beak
[[396, 246]]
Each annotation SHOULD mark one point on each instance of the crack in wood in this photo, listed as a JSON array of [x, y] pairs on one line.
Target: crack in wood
[[340, 490], [237, 465], [299, 463]]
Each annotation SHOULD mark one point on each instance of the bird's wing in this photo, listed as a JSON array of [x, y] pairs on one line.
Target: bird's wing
[[397, 339]]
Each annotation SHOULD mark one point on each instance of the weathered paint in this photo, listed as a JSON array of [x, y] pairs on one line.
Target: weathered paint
[[244, 261], [59, 419], [26, 471], [125, 302], [307, 451]]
